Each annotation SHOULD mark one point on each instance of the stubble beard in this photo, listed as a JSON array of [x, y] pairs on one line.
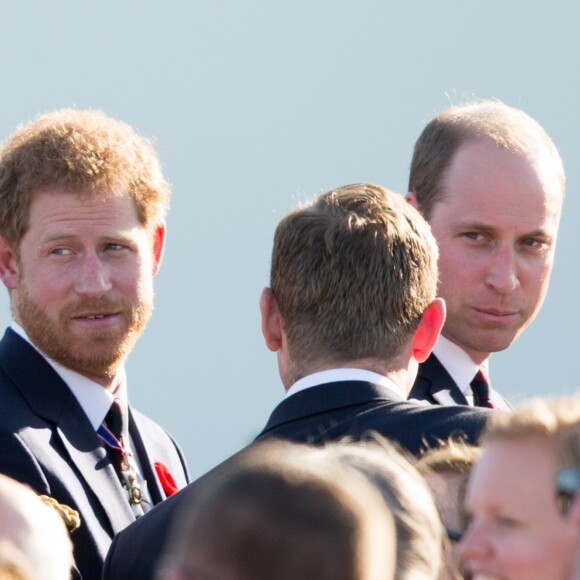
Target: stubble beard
[[96, 353]]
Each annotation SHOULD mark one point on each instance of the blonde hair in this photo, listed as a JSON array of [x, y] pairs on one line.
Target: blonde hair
[[555, 418], [453, 455]]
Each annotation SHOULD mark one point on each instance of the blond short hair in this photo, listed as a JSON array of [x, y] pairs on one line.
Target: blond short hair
[[352, 273], [540, 416], [507, 127], [82, 152], [556, 419], [453, 455]]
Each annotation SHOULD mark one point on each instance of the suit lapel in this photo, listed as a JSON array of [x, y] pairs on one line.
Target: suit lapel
[[499, 402], [50, 398], [90, 457], [442, 387]]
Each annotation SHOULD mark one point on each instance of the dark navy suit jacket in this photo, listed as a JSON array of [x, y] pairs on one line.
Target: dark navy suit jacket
[[435, 386], [48, 443], [315, 415]]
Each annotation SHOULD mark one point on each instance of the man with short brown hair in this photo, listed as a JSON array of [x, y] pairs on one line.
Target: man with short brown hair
[[350, 312], [490, 182], [82, 231]]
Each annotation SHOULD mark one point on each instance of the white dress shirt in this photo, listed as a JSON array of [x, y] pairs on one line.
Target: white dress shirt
[[347, 374], [458, 364], [95, 401]]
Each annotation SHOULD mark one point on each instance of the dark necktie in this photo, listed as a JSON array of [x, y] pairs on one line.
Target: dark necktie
[[114, 424], [480, 387], [115, 420]]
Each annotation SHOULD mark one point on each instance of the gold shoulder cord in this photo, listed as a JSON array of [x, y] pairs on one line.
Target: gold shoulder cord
[[71, 517]]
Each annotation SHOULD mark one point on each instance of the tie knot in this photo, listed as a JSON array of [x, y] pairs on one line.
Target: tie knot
[[480, 388], [481, 375], [116, 418]]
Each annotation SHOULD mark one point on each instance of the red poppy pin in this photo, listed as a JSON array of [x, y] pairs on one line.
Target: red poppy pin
[[167, 482]]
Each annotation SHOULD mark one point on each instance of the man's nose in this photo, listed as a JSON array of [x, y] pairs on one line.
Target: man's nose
[[474, 545], [502, 273], [93, 279]]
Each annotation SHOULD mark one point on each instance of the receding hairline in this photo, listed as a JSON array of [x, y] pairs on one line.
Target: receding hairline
[[512, 129], [449, 130]]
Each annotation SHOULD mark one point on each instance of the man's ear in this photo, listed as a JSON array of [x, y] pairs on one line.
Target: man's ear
[[8, 265], [271, 320], [411, 199], [428, 330], [158, 246]]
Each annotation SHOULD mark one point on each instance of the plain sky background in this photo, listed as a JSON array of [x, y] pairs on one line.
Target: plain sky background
[[260, 104]]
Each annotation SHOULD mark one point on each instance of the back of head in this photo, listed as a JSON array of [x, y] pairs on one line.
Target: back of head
[[417, 523], [283, 515], [352, 274], [34, 541], [506, 126], [82, 152]]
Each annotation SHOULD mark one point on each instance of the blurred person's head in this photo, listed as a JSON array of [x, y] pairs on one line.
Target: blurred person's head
[[568, 487], [518, 529], [34, 542], [446, 470], [283, 512], [419, 530], [490, 182], [353, 281]]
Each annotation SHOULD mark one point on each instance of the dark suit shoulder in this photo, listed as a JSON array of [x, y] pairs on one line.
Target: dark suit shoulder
[[354, 409], [436, 423]]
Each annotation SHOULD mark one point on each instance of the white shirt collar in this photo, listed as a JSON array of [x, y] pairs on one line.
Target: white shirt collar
[[94, 399], [457, 363], [335, 375]]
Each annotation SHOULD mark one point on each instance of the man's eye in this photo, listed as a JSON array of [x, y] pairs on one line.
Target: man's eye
[[472, 235], [60, 252]]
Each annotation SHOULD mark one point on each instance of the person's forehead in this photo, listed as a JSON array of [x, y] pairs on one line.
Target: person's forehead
[[516, 466], [496, 184], [478, 156]]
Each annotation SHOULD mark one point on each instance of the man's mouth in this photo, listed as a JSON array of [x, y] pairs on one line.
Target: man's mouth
[[496, 312]]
